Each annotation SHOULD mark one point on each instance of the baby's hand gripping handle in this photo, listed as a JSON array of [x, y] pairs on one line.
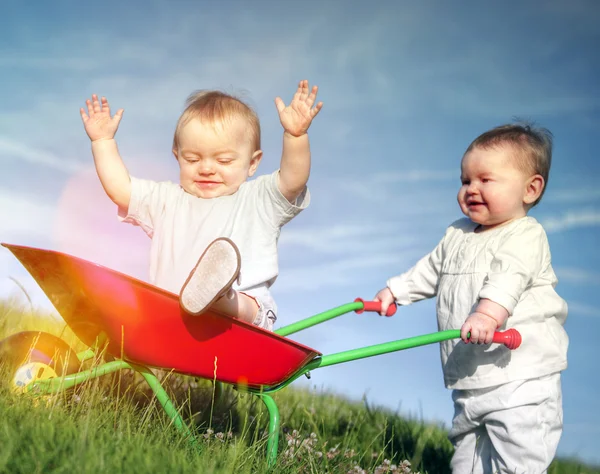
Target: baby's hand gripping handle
[[374, 306], [511, 338]]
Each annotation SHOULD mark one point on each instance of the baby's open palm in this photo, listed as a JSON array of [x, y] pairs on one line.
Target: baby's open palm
[[98, 123], [297, 117]]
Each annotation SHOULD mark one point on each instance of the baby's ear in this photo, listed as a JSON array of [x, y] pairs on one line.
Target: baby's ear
[[174, 150], [254, 161], [533, 190]]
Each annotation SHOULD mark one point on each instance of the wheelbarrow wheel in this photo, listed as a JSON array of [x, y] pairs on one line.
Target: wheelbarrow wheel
[[33, 355]]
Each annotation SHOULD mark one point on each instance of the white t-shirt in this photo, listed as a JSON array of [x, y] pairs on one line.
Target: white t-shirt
[[509, 265], [181, 226]]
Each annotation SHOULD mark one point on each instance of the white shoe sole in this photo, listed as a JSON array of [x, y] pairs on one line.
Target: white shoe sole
[[212, 277]]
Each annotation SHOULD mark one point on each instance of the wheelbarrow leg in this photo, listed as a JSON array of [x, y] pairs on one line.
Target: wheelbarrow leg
[[273, 441], [165, 401]]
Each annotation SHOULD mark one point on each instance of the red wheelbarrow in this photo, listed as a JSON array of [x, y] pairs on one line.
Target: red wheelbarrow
[[142, 326]]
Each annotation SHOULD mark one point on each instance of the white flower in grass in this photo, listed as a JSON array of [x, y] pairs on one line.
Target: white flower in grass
[[357, 470], [349, 453], [289, 453], [333, 452]]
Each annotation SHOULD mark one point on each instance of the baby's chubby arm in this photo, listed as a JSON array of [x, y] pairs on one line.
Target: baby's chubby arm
[[101, 129], [295, 158]]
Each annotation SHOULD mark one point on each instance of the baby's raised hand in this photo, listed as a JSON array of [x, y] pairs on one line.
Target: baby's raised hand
[[297, 117], [386, 297], [481, 326], [98, 123]]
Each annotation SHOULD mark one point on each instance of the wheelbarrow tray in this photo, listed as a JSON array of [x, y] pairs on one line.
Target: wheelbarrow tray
[[144, 324]]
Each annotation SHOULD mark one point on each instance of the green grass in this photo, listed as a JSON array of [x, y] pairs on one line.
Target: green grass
[[114, 424]]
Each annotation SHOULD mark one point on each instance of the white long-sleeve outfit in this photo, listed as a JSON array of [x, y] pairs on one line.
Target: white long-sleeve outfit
[[510, 265]]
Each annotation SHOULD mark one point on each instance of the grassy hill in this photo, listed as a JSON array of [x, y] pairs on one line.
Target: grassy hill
[[113, 424]]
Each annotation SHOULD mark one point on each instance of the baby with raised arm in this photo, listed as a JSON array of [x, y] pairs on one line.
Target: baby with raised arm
[[214, 235], [493, 270]]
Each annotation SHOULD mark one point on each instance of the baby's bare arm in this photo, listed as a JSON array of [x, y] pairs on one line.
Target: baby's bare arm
[[101, 128], [295, 158]]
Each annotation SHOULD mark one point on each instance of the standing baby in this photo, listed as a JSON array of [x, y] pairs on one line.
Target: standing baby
[[214, 235], [493, 270]]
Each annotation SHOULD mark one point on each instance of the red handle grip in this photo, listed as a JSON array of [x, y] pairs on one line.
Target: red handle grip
[[511, 338], [375, 306]]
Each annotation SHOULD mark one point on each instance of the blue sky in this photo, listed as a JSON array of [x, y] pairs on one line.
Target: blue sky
[[406, 86]]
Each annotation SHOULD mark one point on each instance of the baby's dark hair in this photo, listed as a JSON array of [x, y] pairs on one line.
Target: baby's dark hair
[[532, 146]]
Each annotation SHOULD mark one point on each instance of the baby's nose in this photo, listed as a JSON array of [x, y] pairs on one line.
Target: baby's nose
[[206, 167]]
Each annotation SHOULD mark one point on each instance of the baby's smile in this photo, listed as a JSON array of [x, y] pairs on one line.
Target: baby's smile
[[206, 182]]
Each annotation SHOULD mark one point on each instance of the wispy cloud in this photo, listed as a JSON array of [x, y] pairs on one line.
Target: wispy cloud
[[381, 186], [577, 275], [571, 220], [581, 309], [62, 64], [347, 238], [336, 254], [12, 152], [573, 195], [414, 176], [340, 272], [21, 215]]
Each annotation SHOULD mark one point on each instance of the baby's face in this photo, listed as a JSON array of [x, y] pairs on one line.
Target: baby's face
[[493, 188], [215, 159]]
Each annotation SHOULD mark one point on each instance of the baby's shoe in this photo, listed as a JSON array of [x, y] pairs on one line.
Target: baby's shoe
[[212, 277]]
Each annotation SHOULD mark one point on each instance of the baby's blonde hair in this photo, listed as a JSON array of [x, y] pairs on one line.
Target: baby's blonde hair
[[215, 106], [532, 145]]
